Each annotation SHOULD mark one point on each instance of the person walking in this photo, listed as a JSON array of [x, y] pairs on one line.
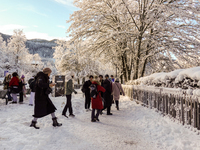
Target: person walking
[[86, 89], [32, 87], [69, 89], [43, 104], [14, 86], [97, 103], [107, 95], [6, 82], [116, 90]]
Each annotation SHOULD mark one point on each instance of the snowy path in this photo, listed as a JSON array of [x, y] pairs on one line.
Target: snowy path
[[132, 128]]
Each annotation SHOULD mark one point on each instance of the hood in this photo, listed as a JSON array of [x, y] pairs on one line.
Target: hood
[[96, 82]]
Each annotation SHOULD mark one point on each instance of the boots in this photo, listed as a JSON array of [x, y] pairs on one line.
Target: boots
[[33, 124], [55, 123]]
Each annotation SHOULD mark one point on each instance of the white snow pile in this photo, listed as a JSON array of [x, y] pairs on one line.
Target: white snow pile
[[133, 127], [181, 78]]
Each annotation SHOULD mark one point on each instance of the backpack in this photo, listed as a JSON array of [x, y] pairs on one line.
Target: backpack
[[93, 91], [32, 84]]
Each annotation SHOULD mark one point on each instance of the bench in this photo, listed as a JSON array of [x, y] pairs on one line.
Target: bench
[[3, 95]]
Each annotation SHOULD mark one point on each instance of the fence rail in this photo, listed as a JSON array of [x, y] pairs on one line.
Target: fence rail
[[172, 102]]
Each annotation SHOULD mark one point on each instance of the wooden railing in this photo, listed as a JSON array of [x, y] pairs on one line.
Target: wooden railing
[[175, 103]]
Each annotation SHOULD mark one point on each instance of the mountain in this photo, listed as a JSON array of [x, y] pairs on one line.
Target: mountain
[[40, 46]]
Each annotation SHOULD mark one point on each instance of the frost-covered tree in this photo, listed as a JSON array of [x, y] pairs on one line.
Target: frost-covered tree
[[17, 49], [4, 60], [69, 58], [134, 34], [19, 58]]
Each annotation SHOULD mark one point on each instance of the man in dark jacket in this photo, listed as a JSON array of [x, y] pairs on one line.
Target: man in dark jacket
[[101, 81], [86, 89], [43, 104], [69, 89], [107, 95]]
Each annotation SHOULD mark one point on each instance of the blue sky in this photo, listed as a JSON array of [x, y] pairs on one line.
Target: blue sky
[[44, 19]]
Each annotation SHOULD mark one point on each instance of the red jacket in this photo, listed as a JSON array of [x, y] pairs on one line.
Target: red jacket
[[97, 102], [14, 81]]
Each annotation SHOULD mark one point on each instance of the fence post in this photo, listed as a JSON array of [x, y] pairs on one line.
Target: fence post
[[195, 113], [166, 104], [198, 124], [182, 111]]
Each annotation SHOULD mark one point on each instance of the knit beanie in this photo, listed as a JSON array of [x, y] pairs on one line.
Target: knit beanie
[[47, 70]]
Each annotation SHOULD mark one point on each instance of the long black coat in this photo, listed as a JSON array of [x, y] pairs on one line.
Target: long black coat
[[43, 104], [107, 95]]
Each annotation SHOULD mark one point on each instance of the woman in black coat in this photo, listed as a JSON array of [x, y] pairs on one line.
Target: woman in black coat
[[43, 104]]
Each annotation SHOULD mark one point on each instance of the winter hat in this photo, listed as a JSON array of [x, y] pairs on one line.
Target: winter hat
[[116, 79], [47, 70], [22, 76]]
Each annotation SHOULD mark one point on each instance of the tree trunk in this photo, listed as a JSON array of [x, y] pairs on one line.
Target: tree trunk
[[137, 61]]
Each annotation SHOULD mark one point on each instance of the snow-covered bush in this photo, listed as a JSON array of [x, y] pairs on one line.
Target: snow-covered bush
[[181, 78]]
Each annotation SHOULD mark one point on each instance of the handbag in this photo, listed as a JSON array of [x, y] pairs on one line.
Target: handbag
[[48, 91], [119, 90]]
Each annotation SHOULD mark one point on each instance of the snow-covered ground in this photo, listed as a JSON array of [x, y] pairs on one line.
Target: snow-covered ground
[[132, 128]]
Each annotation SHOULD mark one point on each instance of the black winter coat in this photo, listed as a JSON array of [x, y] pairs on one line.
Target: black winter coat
[[86, 86], [43, 104], [102, 86], [107, 95]]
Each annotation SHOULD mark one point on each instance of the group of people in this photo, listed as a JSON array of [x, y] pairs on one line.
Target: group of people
[[107, 91], [15, 85]]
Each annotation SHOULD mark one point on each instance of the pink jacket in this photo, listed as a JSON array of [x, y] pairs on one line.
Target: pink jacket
[[116, 91]]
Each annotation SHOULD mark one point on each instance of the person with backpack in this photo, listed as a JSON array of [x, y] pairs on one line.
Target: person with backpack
[[32, 87], [107, 84], [69, 89], [43, 104], [117, 90], [96, 99], [86, 90]]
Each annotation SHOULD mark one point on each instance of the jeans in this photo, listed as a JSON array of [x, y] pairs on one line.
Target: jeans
[[87, 100], [68, 105], [93, 114]]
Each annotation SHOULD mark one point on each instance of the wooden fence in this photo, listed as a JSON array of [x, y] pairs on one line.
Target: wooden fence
[[172, 102]]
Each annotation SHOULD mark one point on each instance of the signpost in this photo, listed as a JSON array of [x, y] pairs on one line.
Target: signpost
[[60, 86]]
